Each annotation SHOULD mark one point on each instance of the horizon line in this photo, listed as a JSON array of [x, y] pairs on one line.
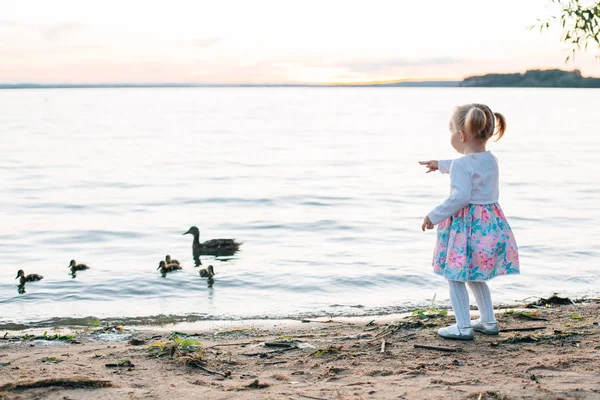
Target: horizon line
[[408, 82], [389, 82]]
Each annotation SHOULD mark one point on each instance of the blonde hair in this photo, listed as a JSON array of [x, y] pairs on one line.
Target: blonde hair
[[478, 121]]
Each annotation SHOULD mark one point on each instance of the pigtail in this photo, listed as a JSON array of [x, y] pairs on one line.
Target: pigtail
[[475, 122], [478, 121], [501, 125]]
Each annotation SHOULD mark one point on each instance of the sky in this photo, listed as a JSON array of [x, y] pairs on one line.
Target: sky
[[275, 41]]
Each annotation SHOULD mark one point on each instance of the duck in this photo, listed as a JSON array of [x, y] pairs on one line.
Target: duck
[[214, 247], [207, 272], [77, 267], [28, 278], [169, 260], [164, 268]]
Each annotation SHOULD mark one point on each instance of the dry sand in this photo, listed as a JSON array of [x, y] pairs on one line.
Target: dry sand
[[559, 361]]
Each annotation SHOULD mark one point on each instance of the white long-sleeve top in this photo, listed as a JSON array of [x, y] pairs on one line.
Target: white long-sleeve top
[[473, 180]]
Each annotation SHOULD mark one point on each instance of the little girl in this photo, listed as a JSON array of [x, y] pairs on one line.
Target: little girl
[[474, 241]]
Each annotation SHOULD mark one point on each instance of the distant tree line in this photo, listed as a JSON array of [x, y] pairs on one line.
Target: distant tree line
[[533, 78]]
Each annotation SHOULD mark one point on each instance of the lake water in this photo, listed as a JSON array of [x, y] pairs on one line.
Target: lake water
[[321, 185]]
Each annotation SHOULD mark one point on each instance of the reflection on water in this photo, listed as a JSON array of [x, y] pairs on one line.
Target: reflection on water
[[321, 185]]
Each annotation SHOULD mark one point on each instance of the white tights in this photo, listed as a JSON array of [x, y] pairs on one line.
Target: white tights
[[459, 297]]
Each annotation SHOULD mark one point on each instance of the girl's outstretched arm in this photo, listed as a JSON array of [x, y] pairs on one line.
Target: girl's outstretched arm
[[444, 166], [460, 194]]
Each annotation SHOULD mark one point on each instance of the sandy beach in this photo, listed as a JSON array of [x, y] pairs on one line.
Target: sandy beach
[[551, 352]]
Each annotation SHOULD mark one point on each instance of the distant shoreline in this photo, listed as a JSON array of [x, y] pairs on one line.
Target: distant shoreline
[[551, 78], [200, 85]]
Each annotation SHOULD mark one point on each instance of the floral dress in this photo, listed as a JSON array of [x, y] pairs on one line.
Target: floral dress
[[474, 240]]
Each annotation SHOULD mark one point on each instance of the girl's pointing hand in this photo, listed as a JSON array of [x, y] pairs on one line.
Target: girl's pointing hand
[[432, 165]]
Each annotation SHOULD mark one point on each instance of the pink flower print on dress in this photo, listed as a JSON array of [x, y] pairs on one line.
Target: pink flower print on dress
[[488, 241], [456, 259], [513, 256], [499, 213], [485, 215], [444, 224], [511, 237], [486, 262], [460, 241], [479, 258]]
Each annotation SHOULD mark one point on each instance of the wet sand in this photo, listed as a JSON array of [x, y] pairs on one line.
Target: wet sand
[[559, 361]]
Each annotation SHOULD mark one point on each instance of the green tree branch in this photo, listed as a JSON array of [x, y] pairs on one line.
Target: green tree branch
[[580, 21]]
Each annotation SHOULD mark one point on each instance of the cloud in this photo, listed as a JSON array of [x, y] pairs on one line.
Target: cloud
[[205, 42], [50, 32], [377, 65], [9, 23], [56, 31], [47, 51]]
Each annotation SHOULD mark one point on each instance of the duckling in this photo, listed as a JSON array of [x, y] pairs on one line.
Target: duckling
[[208, 272], [28, 278], [215, 247], [77, 267], [170, 260], [164, 268]]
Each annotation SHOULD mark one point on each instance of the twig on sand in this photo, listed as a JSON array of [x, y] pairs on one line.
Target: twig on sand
[[329, 321], [382, 346], [283, 350], [233, 344], [280, 345], [120, 364], [308, 397], [210, 371], [270, 352], [310, 335], [63, 383], [439, 348], [380, 336], [400, 326], [533, 328]]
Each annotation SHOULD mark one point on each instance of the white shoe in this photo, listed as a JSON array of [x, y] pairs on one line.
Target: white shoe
[[454, 332], [488, 328]]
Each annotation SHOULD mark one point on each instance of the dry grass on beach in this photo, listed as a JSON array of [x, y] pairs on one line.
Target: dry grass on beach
[[545, 353]]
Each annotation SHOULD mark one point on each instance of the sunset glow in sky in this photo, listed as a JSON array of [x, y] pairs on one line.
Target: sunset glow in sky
[[275, 41]]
